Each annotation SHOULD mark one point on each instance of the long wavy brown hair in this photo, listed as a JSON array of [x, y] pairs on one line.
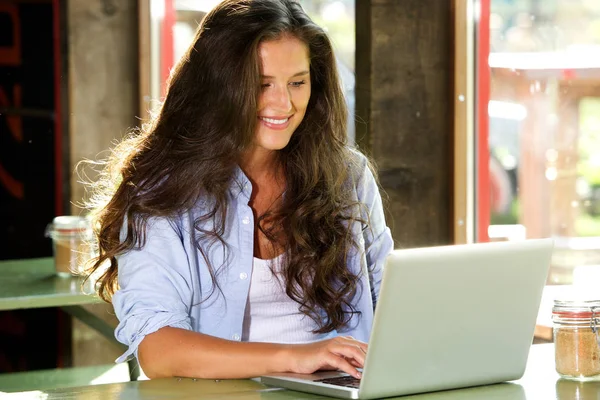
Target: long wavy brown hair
[[206, 122]]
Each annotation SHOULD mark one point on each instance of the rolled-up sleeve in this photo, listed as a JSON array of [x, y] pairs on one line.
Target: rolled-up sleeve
[[154, 287], [377, 235]]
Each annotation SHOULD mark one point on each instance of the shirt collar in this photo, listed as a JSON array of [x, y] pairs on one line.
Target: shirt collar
[[240, 184]]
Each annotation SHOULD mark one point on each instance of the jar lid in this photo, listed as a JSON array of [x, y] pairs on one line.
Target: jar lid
[[576, 308], [66, 224]]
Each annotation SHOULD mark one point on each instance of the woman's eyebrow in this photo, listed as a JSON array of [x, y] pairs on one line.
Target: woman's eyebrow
[[293, 76]]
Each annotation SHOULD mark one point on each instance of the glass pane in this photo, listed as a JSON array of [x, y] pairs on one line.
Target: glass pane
[[544, 129]]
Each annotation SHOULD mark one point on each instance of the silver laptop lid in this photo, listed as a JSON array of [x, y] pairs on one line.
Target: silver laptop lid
[[455, 316]]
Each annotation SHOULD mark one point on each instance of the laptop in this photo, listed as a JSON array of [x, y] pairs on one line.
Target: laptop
[[447, 317]]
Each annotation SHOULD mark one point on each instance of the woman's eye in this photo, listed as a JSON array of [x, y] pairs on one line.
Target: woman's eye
[[265, 85], [298, 83]]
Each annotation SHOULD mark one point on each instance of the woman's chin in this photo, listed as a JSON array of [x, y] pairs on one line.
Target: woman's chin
[[275, 145]]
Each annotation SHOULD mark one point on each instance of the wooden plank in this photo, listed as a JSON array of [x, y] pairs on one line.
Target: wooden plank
[[144, 60], [103, 80], [543, 334], [403, 102], [104, 103], [464, 117]]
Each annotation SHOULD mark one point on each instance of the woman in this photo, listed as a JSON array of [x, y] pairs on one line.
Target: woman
[[242, 235]]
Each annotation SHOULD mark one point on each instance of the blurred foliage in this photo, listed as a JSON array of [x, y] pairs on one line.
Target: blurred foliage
[[589, 140], [509, 218], [587, 225]]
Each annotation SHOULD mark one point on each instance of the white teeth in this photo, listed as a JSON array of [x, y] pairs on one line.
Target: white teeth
[[275, 121]]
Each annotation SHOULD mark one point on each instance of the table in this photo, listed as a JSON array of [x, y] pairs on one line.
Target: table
[[540, 381], [32, 283]]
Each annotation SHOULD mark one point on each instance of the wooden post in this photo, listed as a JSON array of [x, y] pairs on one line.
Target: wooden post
[[103, 79], [564, 198], [104, 101], [534, 143], [404, 113]]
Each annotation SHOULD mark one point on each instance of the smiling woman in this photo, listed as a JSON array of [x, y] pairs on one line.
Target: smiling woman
[[285, 93], [239, 234]]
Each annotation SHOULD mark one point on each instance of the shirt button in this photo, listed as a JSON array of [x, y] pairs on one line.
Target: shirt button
[[243, 275], [235, 336], [245, 220]]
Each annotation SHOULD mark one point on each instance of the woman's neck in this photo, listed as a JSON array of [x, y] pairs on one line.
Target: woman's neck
[[268, 183], [261, 167]]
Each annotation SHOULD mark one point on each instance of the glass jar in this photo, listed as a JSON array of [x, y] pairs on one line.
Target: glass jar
[[576, 339], [72, 243]]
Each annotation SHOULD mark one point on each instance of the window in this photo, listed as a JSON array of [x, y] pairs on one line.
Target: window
[[539, 135]]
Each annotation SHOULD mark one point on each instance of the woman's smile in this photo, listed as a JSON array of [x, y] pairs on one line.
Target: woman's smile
[[276, 123]]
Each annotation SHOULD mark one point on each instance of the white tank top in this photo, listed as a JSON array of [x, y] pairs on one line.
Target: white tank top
[[271, 316]]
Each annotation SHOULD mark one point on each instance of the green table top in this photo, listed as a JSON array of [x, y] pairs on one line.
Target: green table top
[[539, 382], [32, 283]]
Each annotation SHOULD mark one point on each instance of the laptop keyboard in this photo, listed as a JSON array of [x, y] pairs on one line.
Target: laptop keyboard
[[347, 381]]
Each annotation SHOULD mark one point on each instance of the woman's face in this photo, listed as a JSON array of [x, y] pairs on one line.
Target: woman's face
[[285, 75]]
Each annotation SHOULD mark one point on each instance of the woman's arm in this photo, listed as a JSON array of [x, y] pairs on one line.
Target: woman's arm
[[153, 307], [377, 237], [178, 352]]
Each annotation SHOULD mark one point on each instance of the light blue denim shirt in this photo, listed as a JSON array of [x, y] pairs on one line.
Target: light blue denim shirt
[[165, 282]]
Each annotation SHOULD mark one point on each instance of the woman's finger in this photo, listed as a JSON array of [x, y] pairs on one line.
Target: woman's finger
[[340, 363], [354, 363], [349, 351], [350, 340], [362, 346]]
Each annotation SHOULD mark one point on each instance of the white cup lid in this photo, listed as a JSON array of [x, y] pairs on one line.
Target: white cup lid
[[70, 223]]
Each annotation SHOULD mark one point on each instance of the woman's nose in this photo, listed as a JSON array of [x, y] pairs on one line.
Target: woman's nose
[[281, 99]]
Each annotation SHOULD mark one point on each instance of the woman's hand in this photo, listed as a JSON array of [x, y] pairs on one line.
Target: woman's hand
[[340, 353]]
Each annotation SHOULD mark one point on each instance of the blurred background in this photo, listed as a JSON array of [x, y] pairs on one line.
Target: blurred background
[[539, 134]]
